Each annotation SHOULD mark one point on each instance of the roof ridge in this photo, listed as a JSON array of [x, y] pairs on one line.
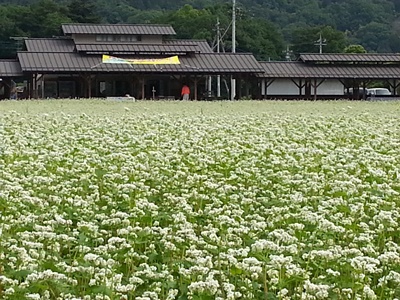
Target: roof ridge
[[380, 53], [280, 61], [51, 38], [195, 40], [119, 24], [230, 53], [129, 43]]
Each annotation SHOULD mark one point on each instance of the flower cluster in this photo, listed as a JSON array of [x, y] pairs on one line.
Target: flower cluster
[[223, 200]]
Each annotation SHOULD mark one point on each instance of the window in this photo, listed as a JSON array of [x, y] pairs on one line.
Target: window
[[118, 38]]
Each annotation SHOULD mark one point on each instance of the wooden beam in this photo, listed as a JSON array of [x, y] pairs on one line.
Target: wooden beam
[[394, 86], [299, 85], [320, 82]]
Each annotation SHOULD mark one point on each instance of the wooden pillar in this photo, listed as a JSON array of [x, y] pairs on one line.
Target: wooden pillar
[[307, 87], [301, 88], [90, 86], [28, 89], [239, 87], [394, 91], [96, 85], [247, 87], [315, 89], [83, 91], [42, 87], [132, 87], [143, 89], [364, 86], [209, 87], [7, 88], [263, 88], [195, 87], [169, 86], [34, 86]]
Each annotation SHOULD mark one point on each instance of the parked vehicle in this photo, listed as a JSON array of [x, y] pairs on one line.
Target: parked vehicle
[[377, 94], [381, 92]]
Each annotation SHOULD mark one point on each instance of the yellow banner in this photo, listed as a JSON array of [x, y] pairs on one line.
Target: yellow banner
[[172, 60]]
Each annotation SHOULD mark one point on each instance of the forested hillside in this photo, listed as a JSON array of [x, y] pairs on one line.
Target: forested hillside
[[264, 27]]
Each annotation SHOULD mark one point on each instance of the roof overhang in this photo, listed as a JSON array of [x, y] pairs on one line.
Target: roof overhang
[[10, 68], [204, 63], [301, 70]]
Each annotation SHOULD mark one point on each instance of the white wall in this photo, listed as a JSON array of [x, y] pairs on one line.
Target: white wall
[[330, 87], [282, 87], [287, 87]]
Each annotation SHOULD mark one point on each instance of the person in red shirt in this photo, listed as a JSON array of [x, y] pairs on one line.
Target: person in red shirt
[[185, 92]]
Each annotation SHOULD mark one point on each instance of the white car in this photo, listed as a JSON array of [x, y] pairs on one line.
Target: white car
[[378, 92]]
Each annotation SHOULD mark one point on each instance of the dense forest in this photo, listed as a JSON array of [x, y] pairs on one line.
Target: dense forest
[[265, 28]]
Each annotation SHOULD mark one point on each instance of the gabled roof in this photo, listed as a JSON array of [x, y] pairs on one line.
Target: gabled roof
[[10, 68], [351, 57], [49, 45], [137, 48], [283, 69], [219, 63], [135, 29], [202, 44]]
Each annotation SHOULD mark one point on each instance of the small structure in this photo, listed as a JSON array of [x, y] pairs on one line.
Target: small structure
[[329, 76]]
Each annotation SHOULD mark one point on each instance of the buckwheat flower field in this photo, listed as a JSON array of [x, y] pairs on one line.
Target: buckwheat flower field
[[191, 200]]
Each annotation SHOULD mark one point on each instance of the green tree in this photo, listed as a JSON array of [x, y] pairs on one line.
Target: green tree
[[43, 19], [261, 38], [355, 49], [83, 11], [189, 22], [375, 37], [305, 39]]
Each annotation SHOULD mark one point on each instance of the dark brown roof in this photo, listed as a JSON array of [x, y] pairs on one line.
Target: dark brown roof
[[10, 68], [137, 48], [67, 45], [142, 29], [351, 57], [49, 45], [301, 70], [202, 44], [220, 63]]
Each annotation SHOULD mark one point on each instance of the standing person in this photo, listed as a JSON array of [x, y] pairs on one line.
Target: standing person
[[185, 92], [14, 91]]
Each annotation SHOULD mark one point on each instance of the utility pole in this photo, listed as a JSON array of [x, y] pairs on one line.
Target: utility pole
[[288, 53], [218, 76], [233, 81], [320, 42]]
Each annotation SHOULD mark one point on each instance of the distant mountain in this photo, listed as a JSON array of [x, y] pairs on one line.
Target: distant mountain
[[374, 24]]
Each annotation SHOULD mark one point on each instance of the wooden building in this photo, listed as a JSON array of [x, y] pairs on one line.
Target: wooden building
[[72, 66]]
